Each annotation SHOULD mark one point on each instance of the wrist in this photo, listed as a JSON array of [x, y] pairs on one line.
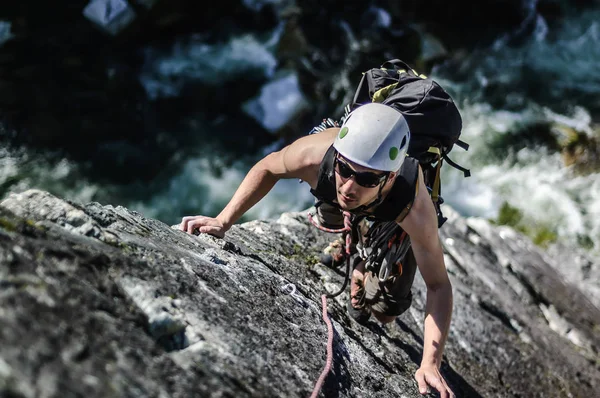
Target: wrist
[[430, 362], [226, 222]]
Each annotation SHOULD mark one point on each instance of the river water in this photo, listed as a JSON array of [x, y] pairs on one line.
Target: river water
[[503, 91]]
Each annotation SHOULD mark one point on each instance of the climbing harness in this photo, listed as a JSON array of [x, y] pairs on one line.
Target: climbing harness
[[348, 229], [383, 246]]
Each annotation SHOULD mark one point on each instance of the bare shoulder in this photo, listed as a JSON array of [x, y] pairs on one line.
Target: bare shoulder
[[421, 221], [304, 155], [311, 148]]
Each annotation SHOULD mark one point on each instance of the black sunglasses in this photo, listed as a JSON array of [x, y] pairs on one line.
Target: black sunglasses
[[366, 179]]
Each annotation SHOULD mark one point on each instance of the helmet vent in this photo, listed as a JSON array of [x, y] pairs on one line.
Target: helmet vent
[[403, 142]]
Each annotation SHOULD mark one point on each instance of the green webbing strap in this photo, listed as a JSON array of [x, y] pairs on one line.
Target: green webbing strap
[[383, 93], [435, 190]]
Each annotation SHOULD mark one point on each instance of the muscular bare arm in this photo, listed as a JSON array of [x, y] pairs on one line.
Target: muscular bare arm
[[300, 159], [421, 225]]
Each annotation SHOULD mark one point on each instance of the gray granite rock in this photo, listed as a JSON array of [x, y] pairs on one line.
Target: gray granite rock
[[99, 301]]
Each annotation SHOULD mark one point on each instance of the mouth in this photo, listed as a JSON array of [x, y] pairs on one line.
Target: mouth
[[347, 199]]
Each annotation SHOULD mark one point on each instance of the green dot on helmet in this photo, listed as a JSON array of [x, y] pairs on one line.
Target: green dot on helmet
[[343, 132], [394, 153]]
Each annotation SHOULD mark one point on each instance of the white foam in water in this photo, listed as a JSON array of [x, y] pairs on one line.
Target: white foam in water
[[580, 121], [532, 180], [540, 190], [112, 15], [5, 34], [19, 172], [568, 57], [197, 188], [536, 182], [382, 19], [278, 102], [287, 195], [190, 60], [8, 166]]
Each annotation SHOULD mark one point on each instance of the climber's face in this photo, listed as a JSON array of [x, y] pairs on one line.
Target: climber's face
[[356, 185]]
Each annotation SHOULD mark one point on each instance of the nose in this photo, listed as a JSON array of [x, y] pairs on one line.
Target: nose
[[349, 183]]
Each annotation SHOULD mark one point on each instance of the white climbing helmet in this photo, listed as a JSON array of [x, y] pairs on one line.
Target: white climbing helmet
[[374, 136]]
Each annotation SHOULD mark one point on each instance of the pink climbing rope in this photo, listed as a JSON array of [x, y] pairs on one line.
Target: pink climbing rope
[[327, 368], [334, 231], [329, 360], [347, 227]]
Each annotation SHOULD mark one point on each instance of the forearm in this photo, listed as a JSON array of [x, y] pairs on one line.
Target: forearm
[[437, 323], [257, 183]]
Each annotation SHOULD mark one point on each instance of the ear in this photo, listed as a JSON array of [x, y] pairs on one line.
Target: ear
[[391, 178]]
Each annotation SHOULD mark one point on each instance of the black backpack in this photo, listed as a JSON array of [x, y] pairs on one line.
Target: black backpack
[[433, 119]]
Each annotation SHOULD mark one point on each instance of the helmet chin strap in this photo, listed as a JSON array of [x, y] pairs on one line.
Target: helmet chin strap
[[378, 200]]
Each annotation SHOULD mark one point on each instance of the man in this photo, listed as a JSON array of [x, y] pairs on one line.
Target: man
[[364, 167]]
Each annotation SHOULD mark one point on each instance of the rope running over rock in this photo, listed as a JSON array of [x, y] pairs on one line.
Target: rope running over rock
[[327, 368], [329, 360]]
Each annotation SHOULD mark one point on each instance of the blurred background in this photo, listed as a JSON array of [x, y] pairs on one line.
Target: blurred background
[[163, 106]]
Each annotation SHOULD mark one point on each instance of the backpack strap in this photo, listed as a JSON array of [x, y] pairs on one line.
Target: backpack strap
[[466, 172], [325, 189], [465, 146], [434, 190], [462, 144], [407, 208], [357, 94], [435, 187], [402, 193], [401, 66]]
